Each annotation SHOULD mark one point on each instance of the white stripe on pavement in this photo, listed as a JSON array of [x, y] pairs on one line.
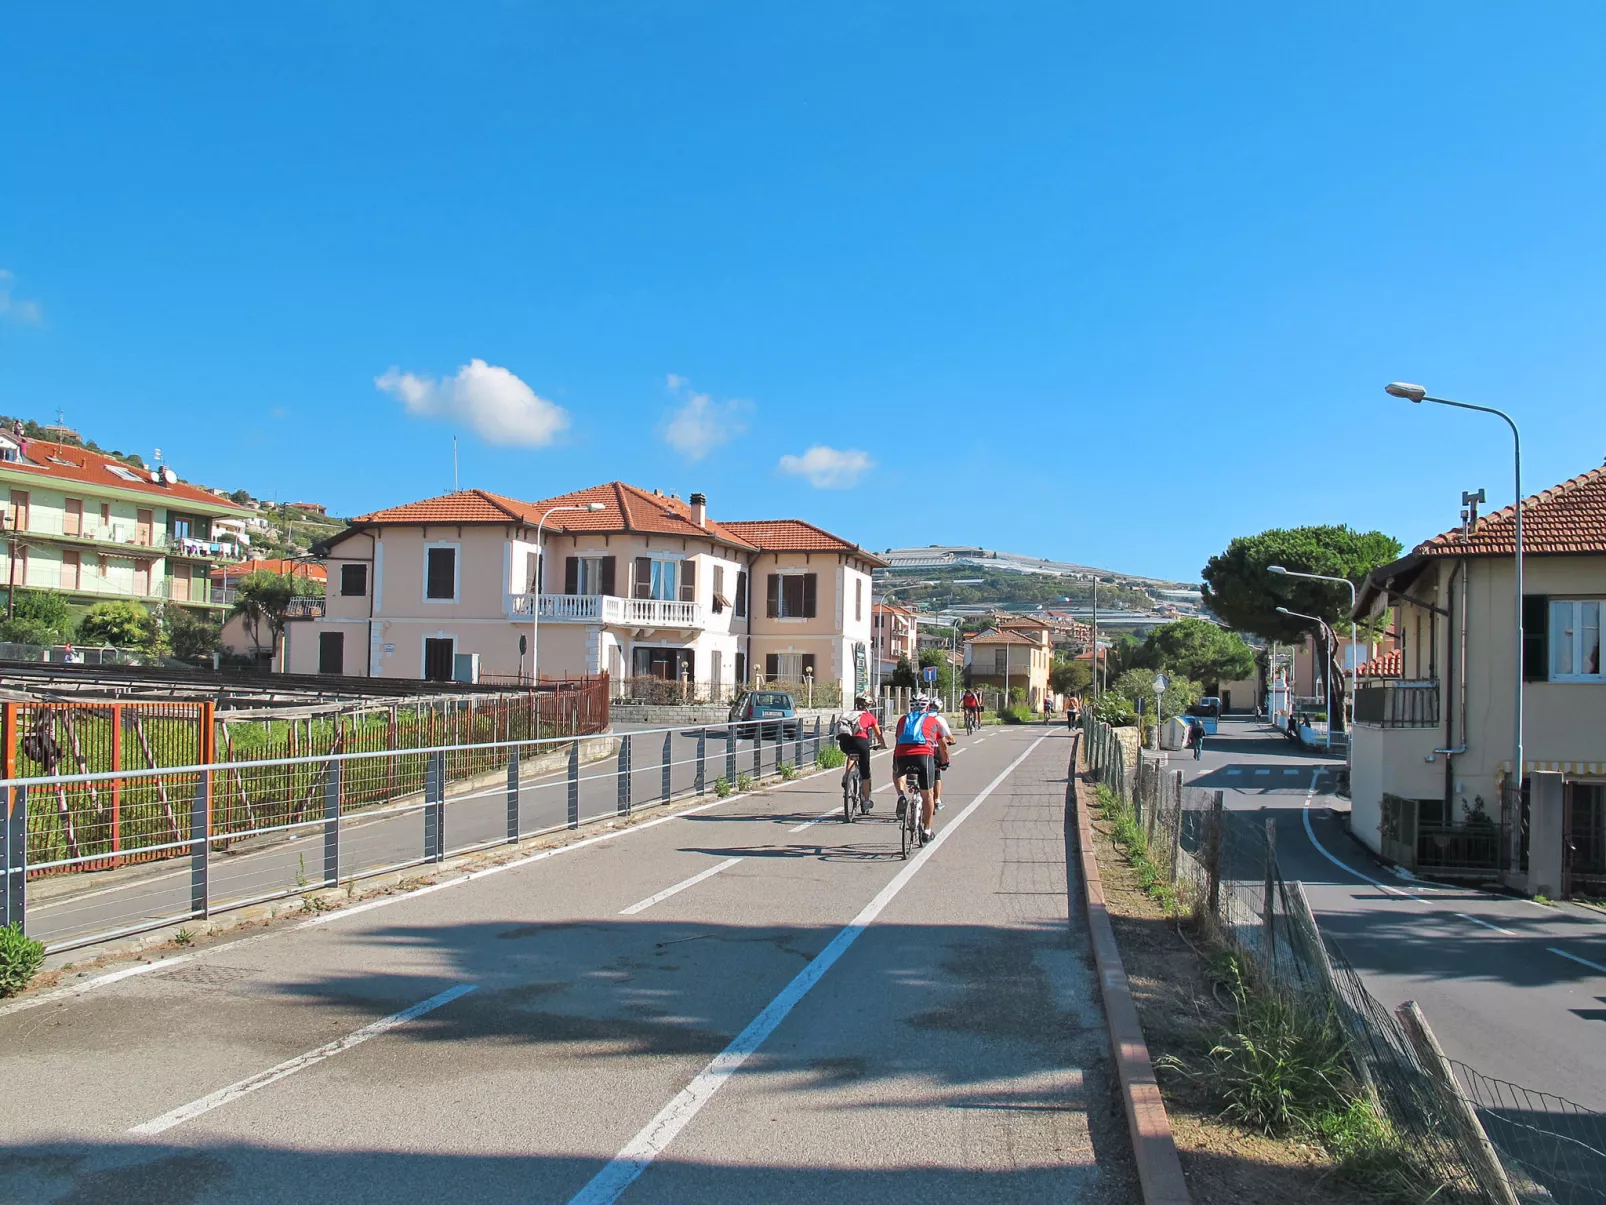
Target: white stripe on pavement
[[1475, 920], [620, 1172], [1594, 966], [643, 905], [811, 823], [262, 1079]]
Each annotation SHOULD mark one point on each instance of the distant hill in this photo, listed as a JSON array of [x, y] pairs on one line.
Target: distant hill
[[942, 556]]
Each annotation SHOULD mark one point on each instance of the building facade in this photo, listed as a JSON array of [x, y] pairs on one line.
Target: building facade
[[1432, 778], [613, 578], [95, 528], [1004, 659]]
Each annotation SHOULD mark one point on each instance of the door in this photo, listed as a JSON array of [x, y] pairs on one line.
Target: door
[[19, 510], [142, 577], [438, 651], [142, 528], [332, 652], [178, 584], [716, 674], [72, 518], [69, 571]]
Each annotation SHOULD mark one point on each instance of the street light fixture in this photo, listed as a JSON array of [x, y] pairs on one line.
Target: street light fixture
[[1327, 677], [1416, 393], [1354, 644], [540, 573]]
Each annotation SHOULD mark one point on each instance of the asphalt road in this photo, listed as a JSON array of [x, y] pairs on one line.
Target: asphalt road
[[69, 908], [749, 1001], [1514, 989]]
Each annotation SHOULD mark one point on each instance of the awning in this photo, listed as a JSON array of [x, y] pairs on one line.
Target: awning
[[1591, 769]]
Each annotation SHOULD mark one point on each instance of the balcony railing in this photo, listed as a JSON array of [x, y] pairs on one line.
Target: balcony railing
[[610, 609], [1398, 704], [125, 532]]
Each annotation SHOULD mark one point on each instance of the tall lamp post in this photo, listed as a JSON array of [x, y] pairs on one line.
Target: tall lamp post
[[535, 598], [1354, 645], [1326, 677], [1416, 393]]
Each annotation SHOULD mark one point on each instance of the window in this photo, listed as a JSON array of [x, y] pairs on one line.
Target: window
[[669, 664], [792, 595], [72, 517], [858, 600], [438, 657], [741, 666], [440, 581], [588, 575], [740, 609], [720, 602], [1575, 639], [181, 526], [105, 514], [657, 579], [1000, 661], [788, 667], [354, 580], [117, 470], [332, 652]]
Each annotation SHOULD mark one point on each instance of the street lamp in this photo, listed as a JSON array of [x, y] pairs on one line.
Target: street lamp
[[1327, 677], [535, 599], [1354, 645], [1416, 393]]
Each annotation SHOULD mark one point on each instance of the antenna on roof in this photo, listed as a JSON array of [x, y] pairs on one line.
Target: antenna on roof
[[454, 464]]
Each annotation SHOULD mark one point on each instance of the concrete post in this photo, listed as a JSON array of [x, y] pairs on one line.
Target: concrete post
[[1546, 796], [14, 857], [574, 785], [331, 825], [200, 852], [513, 795]]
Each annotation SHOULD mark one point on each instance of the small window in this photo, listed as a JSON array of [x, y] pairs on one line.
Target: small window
[[354, 580], [438, 657], [331, 652], [858, 600], [1575, 640], [440, 577], [792, 595], [740, 609]]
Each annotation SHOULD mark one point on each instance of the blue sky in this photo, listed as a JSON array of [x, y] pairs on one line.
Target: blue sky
[[1128, 277]]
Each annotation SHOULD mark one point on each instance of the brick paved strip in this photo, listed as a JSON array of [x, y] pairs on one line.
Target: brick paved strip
[[1153, 1148]]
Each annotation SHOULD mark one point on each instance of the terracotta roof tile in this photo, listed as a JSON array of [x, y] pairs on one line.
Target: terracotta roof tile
[[65, 463], [1567, 518], [1385, 665], [1002, 638], [226, 573], [794, 535]]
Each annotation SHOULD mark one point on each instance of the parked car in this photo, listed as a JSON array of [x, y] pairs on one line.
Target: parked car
[[774, 710]]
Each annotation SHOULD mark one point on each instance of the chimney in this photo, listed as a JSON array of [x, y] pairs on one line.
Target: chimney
[[699, 509]]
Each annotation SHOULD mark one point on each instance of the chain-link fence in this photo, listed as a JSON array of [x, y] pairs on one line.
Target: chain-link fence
[[1474, 1138]]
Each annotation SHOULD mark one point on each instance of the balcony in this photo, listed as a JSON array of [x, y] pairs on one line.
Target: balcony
[[1398, 704], [608, 609], [90, 530]]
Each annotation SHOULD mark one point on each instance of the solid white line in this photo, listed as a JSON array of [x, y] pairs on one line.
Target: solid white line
[[262, 1079], [620, 1172], [1315, 775], [1594, 966], [643, 905], [816, 820]]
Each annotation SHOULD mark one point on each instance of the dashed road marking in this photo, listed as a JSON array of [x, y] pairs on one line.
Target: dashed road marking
[[643, 905]]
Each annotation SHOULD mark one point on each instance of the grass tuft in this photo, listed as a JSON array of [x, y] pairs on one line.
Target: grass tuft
[[20, 959], [831, 756], [1129, 835]]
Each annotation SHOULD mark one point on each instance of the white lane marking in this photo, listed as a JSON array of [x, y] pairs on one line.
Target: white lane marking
[[1315, 775], [1475, 920], [1594, 966], [816, 820], [643, 905], [654, 1138], [262, 1079]]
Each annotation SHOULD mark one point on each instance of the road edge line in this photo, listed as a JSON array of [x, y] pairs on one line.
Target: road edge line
[[1154, 1147]]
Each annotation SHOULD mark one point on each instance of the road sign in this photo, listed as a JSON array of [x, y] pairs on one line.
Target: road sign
[[523, 644], [931, 673]]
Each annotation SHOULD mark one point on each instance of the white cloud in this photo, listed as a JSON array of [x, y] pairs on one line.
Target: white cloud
[[492, 401], [701, 424], [827, 468], [15, 308]]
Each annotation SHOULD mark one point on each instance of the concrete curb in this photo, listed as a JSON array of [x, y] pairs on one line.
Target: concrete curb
[[1154, 1150]]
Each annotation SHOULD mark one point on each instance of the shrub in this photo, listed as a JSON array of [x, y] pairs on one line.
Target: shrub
[[722, 786], [788, 770], [1016, 713], [831, 756], [119, 622], [20, 959], [744, 782]]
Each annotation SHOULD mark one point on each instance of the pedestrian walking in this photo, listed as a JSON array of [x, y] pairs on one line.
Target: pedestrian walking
[[1196, 735]]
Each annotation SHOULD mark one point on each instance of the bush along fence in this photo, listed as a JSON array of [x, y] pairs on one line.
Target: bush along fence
[[104, 824], [1455, 1135], [531, 788]]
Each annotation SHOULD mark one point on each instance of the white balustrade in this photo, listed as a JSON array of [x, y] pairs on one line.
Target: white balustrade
[[610, 609]]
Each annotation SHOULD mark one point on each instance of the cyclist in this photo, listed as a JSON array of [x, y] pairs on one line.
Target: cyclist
[[856, 744], [913, 753], [971, 702], [939, 761]]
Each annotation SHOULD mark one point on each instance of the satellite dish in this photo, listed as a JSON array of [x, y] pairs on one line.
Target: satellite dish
[[169, 477]]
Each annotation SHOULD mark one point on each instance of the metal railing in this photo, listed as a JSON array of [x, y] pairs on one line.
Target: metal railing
[[1398, 704], [347, 815], [1467, 1138]]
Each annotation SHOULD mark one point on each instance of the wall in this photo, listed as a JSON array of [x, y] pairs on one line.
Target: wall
[[1390, 761]]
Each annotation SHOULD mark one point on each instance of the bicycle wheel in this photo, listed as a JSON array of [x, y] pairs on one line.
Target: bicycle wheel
[[850, 794], [911, 813]]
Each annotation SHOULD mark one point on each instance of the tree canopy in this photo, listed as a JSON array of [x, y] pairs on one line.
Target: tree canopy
[[117, 622], [263, 599], [1198, 649], [1069, 677], [1239, 589], [42, 617]]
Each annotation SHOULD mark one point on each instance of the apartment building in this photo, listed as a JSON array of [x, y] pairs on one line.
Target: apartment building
[[1432, 780], [895, 637], [1005, 658], [95, 528], [627, 581]]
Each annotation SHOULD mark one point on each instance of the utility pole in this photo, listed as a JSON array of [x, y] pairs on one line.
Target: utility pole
[[11, 586], [1095, 638]]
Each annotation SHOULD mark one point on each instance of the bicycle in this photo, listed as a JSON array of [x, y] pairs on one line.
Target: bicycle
[[972, 720], [850, 790], [911, 834]]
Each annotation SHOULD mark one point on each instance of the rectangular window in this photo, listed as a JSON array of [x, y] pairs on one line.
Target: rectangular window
[[1000, 661], [69, 571], [354, 580], [792, 595], [181, 526], [858, 600], [588, 574], [440, 581], [719, 603], [438, 652], [688, 581], [72, 518], [19, 510], [664, 581], [740, 608], [1574, 638], [105, 514], [673, 665], [331, 652], [741, 668]]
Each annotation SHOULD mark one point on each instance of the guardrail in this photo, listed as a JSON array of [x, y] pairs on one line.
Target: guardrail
[[347, 816]]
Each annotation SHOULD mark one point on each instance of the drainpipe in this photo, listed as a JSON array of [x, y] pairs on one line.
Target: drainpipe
[[1456, 667]]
